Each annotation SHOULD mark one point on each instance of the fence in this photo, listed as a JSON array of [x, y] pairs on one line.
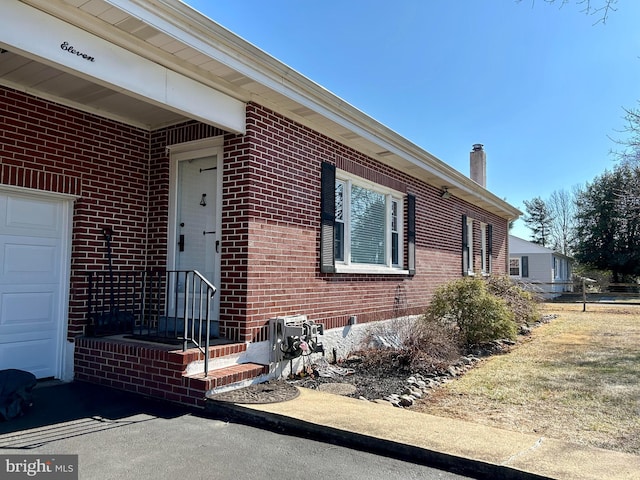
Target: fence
[[584, 290]]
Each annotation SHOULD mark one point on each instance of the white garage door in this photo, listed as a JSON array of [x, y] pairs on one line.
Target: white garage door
[[32, 258]]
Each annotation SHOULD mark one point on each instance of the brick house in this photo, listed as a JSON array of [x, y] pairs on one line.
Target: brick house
[[140, 141]]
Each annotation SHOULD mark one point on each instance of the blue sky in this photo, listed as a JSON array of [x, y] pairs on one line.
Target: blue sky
[[542, 87]]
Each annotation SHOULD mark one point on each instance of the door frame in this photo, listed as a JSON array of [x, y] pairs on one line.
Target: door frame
[[64, 356], [189, 151]]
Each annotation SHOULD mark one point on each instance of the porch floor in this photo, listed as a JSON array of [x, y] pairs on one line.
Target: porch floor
[[160, 342]]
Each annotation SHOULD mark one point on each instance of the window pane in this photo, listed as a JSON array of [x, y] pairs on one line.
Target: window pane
[[338, 228], [394, 216], [340, 201], [367, 226], [514, 267], [394, 249], [338, 245]]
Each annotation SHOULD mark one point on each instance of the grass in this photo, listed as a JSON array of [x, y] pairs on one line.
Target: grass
[[576, 378]]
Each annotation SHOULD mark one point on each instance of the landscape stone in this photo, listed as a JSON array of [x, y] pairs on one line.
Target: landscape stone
[[406, 401], [416, 394]]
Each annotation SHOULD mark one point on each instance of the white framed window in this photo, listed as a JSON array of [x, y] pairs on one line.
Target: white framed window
[[514, 267], [368, 226], [519, 266]]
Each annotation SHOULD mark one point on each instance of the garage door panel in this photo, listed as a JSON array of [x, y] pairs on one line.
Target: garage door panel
[[34, 356], [29, 260], [27, 309], [29, 216], [40, 335]]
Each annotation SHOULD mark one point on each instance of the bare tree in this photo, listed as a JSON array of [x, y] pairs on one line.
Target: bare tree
[[561, 206], [599, 8], [553, 221], [630, 144], [629, 157]]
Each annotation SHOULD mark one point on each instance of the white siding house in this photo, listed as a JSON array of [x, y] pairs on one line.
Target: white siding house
[[533, 263]]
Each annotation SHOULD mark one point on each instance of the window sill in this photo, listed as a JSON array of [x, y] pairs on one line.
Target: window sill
[[371, 270]]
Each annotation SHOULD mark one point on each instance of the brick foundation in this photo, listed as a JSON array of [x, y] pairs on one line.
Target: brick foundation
[[155, 371]]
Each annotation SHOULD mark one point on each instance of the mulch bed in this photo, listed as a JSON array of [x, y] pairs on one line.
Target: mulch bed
[[269, 392]]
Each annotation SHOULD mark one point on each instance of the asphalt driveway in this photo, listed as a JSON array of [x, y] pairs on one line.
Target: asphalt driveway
[[121, 436]]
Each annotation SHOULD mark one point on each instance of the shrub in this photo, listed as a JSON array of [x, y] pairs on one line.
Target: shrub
[[479, 315], [522, 303], [421, 347]]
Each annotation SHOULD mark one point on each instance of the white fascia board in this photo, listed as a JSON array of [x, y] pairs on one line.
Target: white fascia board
[[187, 25], [113, 66]]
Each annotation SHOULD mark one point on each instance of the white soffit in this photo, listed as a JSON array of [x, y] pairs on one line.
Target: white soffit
[[73, 49]]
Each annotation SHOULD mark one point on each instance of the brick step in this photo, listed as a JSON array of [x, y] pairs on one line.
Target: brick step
[[215, 351], [228, 377]]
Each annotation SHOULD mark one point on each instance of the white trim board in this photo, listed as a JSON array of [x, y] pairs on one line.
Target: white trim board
[[74, 50]]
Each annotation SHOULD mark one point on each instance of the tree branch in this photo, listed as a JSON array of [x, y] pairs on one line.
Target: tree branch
[[602, 9]]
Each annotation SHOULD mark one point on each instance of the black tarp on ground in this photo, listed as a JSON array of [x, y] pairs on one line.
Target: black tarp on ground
[[15, 392]]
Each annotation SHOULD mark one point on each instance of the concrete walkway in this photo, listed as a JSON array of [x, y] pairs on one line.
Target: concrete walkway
[[458, 446]]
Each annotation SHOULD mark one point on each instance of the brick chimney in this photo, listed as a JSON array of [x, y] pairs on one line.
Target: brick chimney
[[478, 159]]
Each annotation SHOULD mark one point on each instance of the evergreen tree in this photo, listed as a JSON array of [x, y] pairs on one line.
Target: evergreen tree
[[538, 219], [608, 222]]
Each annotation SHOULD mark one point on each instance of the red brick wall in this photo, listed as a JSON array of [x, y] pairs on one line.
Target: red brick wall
[[50, 147], [272, 206], [270, 218]]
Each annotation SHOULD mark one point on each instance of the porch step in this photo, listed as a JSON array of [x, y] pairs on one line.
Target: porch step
[[227, 378], [221, 350]]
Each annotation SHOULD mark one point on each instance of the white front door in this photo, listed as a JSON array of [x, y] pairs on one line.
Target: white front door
[[196, 215], [195, 219], [33, 273]]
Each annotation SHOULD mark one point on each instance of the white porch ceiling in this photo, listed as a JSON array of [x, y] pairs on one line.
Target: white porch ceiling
[[53, 84]]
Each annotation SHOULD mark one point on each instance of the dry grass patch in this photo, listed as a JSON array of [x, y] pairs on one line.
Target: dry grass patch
[[576, 378]]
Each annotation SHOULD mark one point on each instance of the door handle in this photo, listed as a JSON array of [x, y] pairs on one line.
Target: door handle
[[181, 243], [217, 246]]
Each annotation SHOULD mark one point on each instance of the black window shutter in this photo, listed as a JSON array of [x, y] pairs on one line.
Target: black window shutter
[[490, 239], [489, 245], [524, 265], [411, 233], [465, 246], [328, 217]]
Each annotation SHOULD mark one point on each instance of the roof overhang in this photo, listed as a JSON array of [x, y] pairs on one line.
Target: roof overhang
[[185, 48]]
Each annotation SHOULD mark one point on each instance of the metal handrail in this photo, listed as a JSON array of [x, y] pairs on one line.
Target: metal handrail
[[210, 291], [169, 305]]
